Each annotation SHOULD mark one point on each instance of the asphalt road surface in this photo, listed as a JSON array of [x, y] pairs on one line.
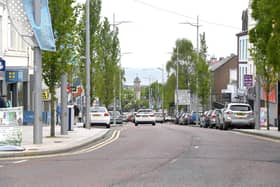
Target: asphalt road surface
[[162, 155]]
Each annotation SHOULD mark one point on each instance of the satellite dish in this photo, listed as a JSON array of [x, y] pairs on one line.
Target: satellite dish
[[20, 21]]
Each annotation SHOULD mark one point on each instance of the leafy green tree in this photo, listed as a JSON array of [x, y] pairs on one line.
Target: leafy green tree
[[203, 73], [128, 99], [105, 53], [55, 64], [265, 38], [95, 27], [185, 56], [106, 67]]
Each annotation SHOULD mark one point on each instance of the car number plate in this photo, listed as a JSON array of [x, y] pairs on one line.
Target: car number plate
[[240, 115]]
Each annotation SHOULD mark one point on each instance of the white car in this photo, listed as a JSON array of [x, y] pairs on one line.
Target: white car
[[159, 117], [237, 115], [145, 116], [99, 116]]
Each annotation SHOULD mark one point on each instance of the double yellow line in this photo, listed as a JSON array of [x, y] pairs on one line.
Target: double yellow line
[[113, 138], [115, 135]]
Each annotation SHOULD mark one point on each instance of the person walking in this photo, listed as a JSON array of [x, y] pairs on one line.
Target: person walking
[[4, 102], [58, 114]]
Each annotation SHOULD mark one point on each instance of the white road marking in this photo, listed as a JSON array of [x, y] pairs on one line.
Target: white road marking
[[196, 147], [20, 161], [172, 161], [1, 166]]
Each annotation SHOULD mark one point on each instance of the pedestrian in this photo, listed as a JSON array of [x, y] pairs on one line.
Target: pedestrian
[[58, 114], [76, 112], [8, 103], [4, 102]]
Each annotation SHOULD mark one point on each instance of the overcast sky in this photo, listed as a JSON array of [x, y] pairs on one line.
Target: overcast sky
[[155, 27]]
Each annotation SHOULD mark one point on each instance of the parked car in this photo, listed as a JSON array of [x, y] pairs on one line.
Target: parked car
[[177, 117], [238, 115], [207, 118], [144, 116], [116, 116], [214, 118], [185, 118], [202, 119], [159, 117], [168, 117], [194, 117], [125, 116], [99, 116], [132, 118]]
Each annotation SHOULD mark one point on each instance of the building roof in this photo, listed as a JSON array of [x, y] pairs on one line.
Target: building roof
[[215, 66]]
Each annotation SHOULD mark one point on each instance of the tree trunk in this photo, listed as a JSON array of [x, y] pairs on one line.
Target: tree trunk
[[52, 112]]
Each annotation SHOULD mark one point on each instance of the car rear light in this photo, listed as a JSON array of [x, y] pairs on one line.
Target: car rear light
[[106, 114], [228, 112]]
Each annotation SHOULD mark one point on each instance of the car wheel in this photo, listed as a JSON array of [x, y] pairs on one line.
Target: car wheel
[[225, 126], [252, 126], [108, 126], [136, 124], [154, 124]]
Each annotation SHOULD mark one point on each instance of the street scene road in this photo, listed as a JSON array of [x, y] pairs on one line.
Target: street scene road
[[161, 155]]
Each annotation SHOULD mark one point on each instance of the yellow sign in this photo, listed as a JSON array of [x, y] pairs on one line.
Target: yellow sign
[[45, 95]]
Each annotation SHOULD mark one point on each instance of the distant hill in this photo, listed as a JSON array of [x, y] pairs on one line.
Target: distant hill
[[146, 75]]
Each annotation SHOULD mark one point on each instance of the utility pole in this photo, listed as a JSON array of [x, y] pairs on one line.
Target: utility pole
[[197, 53], [87, 63], [177, 81], [38, 129]]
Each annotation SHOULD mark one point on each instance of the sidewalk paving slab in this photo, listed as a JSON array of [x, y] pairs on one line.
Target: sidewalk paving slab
[[74, 139]]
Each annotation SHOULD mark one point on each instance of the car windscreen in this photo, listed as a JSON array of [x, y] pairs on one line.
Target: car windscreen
[[240, 108], [97, 109]]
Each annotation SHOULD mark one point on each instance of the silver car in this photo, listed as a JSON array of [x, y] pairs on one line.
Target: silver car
[[238, 115], [145, 116]]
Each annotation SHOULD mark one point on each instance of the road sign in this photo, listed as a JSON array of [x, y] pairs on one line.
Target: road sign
[[248, 80], [2, 64], [184, 97]]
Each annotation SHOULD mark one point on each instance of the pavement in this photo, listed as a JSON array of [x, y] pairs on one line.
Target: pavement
[[80, 137], [75, 139], [272, 133]]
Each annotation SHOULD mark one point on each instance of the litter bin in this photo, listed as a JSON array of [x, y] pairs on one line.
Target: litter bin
[[70, 114]]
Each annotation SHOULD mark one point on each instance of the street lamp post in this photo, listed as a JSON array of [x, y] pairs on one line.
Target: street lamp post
[[197, 56], [87, 63], [120, 92], [162, 82], [114, 110], [177, 81]]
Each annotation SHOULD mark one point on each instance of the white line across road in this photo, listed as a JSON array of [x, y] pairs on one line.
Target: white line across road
[[1, 166]]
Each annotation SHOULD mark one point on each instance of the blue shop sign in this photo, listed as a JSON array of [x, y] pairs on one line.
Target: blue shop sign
[[14, 76], [2, 64]]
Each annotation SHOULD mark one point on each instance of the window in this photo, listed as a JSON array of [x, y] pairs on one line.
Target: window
[[1, 39], [15, 41]]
